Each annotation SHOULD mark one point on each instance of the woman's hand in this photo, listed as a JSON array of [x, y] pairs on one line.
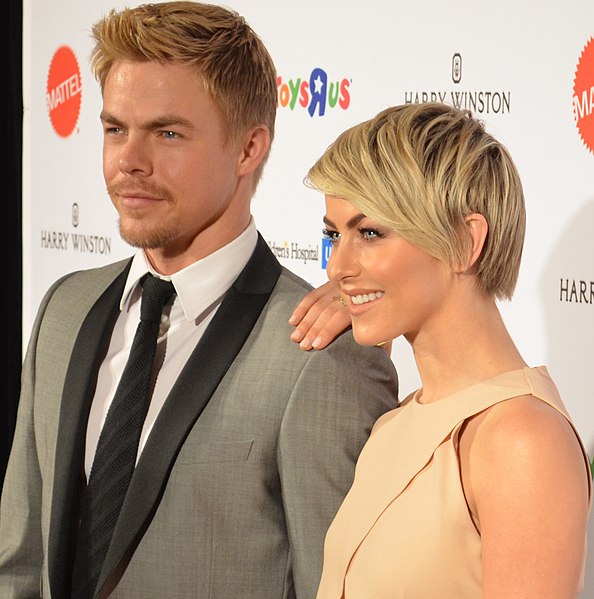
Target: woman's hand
[[319, 318]]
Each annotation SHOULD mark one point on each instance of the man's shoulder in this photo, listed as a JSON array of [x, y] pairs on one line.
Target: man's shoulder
[[98, 274], [82, 288], [344, 350], [292, 283], [91, 278]]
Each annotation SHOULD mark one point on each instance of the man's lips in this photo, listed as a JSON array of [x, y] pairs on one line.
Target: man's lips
[[137, 199]]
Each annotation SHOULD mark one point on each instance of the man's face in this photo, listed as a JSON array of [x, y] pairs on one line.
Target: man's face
[[178, 186]]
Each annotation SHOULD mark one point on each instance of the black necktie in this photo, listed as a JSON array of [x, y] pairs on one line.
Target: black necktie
[[115, 457]]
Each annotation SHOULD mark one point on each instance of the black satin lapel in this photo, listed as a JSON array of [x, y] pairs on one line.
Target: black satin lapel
[[89, 350], [210, 360]]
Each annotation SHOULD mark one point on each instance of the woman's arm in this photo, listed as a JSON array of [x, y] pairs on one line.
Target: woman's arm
[[526, 483]]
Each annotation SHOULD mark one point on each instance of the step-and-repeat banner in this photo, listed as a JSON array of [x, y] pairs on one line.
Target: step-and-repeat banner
[[525, 68]]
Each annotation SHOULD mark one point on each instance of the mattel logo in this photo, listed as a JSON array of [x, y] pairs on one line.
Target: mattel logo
[[64, 91], [583, 96], [314, 93]]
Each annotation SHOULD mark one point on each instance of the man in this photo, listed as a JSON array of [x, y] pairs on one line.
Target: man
[[248, 444]]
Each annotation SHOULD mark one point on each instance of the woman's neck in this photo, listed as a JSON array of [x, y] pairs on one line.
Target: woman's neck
[[464, 345]]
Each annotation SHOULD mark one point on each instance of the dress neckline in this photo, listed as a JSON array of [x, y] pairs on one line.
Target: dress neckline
[[523, 371]]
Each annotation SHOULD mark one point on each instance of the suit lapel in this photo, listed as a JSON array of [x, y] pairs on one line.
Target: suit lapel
[[210, 360], [79, 386]]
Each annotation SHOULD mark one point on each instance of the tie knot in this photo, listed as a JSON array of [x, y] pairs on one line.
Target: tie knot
[[155, 294]]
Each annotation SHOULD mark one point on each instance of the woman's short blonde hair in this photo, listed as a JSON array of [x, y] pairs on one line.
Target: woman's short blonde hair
[[420, 169], [236, 68]]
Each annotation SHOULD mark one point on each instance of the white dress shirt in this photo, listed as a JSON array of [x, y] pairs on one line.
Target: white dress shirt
[[199, 291]]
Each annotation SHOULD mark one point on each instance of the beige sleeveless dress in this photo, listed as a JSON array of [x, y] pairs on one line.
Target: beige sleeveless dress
[[404, 530]]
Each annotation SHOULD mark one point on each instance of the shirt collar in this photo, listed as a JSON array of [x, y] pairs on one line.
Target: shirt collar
[[204, 282]]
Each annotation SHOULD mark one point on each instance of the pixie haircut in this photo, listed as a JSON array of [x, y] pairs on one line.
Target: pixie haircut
[[236, 68], [420, 169]]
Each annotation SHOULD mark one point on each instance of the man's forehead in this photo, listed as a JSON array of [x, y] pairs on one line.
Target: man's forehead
[[153, 74]]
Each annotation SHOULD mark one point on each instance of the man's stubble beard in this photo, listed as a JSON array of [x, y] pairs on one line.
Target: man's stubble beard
[[160, 236], [157, 238]]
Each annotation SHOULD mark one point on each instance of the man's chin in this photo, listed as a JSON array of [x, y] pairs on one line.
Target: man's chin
[[146, 240]]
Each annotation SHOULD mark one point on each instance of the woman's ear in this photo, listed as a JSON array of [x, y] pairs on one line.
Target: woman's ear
[[476, 228]]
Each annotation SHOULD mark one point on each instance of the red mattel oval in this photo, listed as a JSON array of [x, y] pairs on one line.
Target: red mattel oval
[[583, 95], [64, 91]]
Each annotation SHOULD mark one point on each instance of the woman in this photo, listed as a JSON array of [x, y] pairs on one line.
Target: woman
[[477, 485]]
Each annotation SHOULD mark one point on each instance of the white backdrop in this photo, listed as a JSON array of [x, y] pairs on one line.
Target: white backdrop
[[526, 68]]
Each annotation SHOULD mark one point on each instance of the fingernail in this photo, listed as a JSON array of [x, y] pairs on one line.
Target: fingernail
[[305, 344], [293, 319], [296, 335], [317, 342]]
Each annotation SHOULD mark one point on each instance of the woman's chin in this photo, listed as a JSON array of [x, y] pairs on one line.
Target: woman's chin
[[370, 340]]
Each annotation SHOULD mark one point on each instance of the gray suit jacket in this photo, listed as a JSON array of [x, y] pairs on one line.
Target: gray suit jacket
[[244, 469]]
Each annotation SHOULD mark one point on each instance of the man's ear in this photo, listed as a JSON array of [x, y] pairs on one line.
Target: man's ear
[[476, 228], [253, 149]]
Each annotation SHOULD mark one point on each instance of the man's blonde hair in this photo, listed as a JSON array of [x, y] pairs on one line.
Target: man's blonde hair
[[420, 169], [236, 68]]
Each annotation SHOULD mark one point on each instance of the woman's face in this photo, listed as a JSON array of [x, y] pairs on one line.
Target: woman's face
[[392, 288]]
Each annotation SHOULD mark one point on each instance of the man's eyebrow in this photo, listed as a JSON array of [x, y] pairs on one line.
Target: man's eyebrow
[[162, 122], [106, 117], [352, 222]]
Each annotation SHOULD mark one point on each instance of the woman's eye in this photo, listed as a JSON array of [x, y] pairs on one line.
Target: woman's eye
[[332, 236], [370, 234]]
